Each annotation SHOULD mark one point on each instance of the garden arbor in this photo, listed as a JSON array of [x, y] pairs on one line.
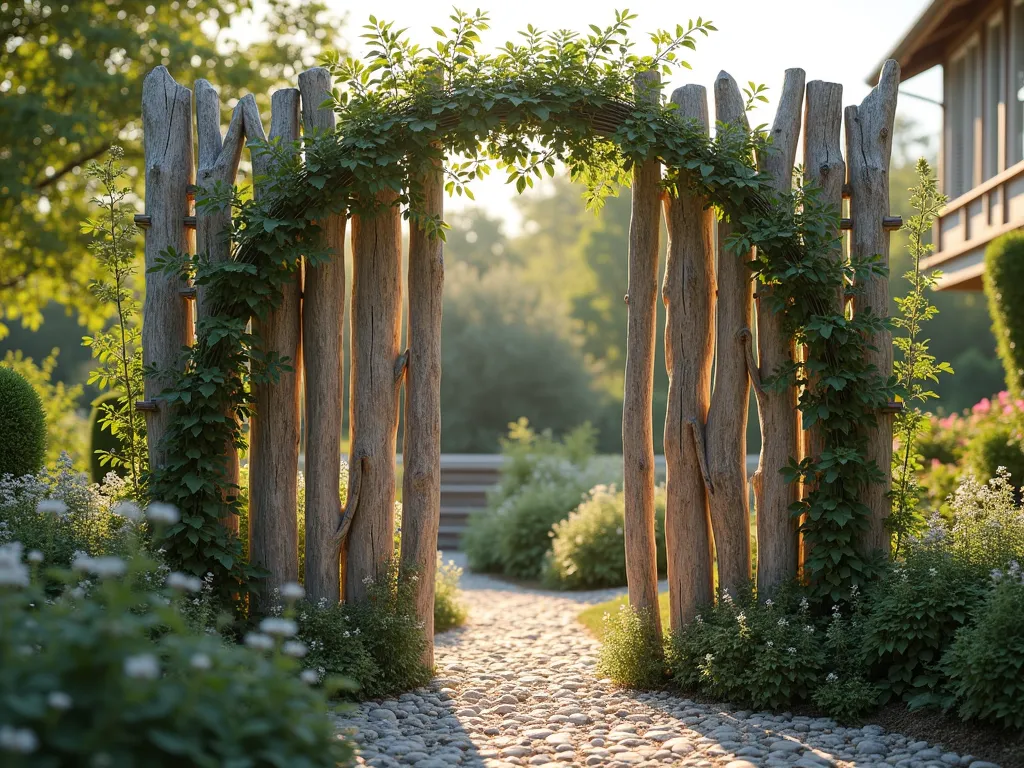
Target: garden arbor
[[285, 271]]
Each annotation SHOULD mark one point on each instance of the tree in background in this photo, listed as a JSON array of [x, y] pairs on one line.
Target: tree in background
[[71, 87]]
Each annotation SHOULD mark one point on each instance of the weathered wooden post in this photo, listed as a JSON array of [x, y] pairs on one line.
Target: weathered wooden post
[[637, 418], [323, 317], [689, 296], [170, 172], [824, 167], [778, 542], [727, 416], [868, 148], [421, 482], [377, 372], [218, 164], [274, 427]]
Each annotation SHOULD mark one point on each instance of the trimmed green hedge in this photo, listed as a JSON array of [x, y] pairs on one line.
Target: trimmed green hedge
[[22, 425], [1004, 285]]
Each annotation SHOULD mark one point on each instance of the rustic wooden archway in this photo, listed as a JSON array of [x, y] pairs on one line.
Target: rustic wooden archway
[[710, 314]]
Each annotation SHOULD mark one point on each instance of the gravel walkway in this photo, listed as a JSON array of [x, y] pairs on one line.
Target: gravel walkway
[[517, 686]]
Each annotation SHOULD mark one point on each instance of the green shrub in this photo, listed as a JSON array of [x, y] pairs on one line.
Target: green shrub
[[756, 654], [985, 664], [913, 614], [631, 655], [588, 548], [84, 682], [449, 612], [996, 445], [846, 700], [102, 442], [845, 693], [1004, 286], [22, 425]]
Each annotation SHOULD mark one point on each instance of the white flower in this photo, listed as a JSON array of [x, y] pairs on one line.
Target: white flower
[[808, 629], [183, 582], [294, 648], [99, 566], [832, 677], [768, 604], [128, 510], [783, 622], [791, 650], [933, 572], [162, 513], [52, 507], [20, 740], [292, 591], [368, 580], [770, 644], [59, 700], [142, 667], [200, 661], [259, 642], [309, 676], [13, 572], [279, 627], [804, 605], [35, 556]]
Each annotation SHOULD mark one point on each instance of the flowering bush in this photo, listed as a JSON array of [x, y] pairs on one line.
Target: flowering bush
[[111, 675], [759, 654], [985, 664], [630, 655], [543, 480], [588, 549], [449, 612], [914, 613]]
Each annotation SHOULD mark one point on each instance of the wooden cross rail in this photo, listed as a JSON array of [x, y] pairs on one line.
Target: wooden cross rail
[[889, 223], [144, 221], [892, 407], [146, 405]]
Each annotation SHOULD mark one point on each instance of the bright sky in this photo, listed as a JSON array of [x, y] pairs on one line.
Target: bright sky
[[835, 40]]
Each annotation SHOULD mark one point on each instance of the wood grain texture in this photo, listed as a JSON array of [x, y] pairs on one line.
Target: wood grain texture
[[689, 295], [637, 418], [726, 434], [218, 165], [373, 420], [778, 540], [274, 426], [170, 169], [421, 455], [323, 319], [869, 130]]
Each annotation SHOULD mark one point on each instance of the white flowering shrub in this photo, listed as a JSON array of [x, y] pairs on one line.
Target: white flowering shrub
[[762, 654], [113, 676], [543, 480], [59, 512], [588, 548], [913, 614]]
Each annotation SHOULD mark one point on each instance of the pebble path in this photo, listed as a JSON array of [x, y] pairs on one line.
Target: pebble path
[[517, 687]]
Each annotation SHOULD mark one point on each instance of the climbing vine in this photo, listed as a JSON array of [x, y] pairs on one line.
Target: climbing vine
[[549, 98]]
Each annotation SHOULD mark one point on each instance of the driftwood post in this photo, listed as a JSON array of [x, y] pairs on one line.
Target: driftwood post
[[868, 147], [689, 296], [274, 427], [167, 141], [218, 164], [421, 482], [323, 315], [727, 416], [637, 418], [778, 543], [377, 371]]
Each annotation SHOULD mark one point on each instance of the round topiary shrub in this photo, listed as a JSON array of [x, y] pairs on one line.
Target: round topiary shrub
[[22, 425], [993, 446], [102, 441], [1004, 286]]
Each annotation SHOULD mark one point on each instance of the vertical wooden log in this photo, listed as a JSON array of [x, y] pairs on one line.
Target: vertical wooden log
[[727, 415], [167, 318], [689, 296], [778, 542], [323, 318], [218, 164], [373, 409], [868, 148], [421, 481], [274, 427], [637, 418]]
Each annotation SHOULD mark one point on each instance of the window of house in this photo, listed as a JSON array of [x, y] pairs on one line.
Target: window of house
[[995, 89], [963, 113], [1015, 150]]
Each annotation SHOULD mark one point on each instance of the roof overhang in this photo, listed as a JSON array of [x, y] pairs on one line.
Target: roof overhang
[[925, 44]]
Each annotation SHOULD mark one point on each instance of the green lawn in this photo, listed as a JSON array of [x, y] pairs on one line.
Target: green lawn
[[591, 617]]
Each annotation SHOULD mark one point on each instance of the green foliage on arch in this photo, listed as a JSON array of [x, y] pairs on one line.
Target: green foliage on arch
[[557, 97]]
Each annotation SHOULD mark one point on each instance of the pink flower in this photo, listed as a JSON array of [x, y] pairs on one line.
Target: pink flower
[[948, 422], [936, 463], [982, 406], [1004, 397]]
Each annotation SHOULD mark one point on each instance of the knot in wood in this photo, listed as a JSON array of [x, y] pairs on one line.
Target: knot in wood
[[626, 298], [884, 132]]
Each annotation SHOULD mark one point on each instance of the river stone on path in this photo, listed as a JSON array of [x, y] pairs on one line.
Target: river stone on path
[[517, 686]]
